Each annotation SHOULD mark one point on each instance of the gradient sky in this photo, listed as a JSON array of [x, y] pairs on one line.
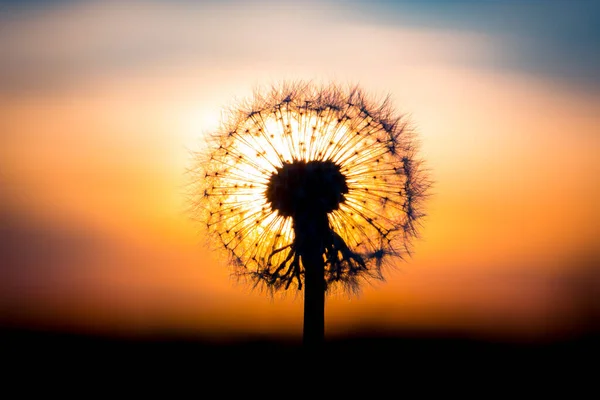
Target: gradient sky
[[101, 103]]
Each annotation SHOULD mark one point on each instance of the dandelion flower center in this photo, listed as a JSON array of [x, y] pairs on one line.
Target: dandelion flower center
[[299, 188]]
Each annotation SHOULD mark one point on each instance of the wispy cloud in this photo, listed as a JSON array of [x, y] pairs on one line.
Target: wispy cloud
[[62, 45]]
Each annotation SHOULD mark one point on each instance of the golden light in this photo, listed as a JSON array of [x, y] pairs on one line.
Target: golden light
[[372, 218]]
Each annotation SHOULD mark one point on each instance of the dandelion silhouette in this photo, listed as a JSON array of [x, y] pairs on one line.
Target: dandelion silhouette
[[310, 187]]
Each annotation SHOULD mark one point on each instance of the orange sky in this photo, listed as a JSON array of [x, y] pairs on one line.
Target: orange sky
[[93, 165]]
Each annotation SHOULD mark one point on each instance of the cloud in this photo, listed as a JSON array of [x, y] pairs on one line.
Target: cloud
[[51, 47]]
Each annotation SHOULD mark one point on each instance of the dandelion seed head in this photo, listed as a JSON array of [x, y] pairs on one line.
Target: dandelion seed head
[[300, 153]]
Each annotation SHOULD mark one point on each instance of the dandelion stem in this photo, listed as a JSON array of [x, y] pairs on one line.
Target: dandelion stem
[[312, 232], [314, 300]]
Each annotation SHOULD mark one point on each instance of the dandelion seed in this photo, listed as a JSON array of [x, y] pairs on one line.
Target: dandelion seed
[[321, 187]]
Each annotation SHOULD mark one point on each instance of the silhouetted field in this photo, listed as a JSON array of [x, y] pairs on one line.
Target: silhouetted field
[[35, 347], [373, 366]]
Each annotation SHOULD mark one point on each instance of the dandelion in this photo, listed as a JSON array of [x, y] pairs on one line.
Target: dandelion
[[309, 187]]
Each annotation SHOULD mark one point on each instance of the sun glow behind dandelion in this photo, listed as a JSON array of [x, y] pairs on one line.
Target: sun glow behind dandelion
[[357, 160]]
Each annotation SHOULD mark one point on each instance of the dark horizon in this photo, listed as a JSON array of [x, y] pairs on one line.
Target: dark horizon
[[446, 355]]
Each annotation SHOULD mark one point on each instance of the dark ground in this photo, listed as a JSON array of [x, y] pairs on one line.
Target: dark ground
[[349, 356], [370, 367]]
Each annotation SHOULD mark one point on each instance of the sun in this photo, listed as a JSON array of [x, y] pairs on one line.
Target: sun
[[304, 162]]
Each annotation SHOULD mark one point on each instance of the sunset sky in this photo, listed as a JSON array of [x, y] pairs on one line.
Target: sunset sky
[[102, 104]]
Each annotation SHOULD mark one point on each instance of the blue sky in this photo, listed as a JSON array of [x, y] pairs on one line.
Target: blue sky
[[558, 38]]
